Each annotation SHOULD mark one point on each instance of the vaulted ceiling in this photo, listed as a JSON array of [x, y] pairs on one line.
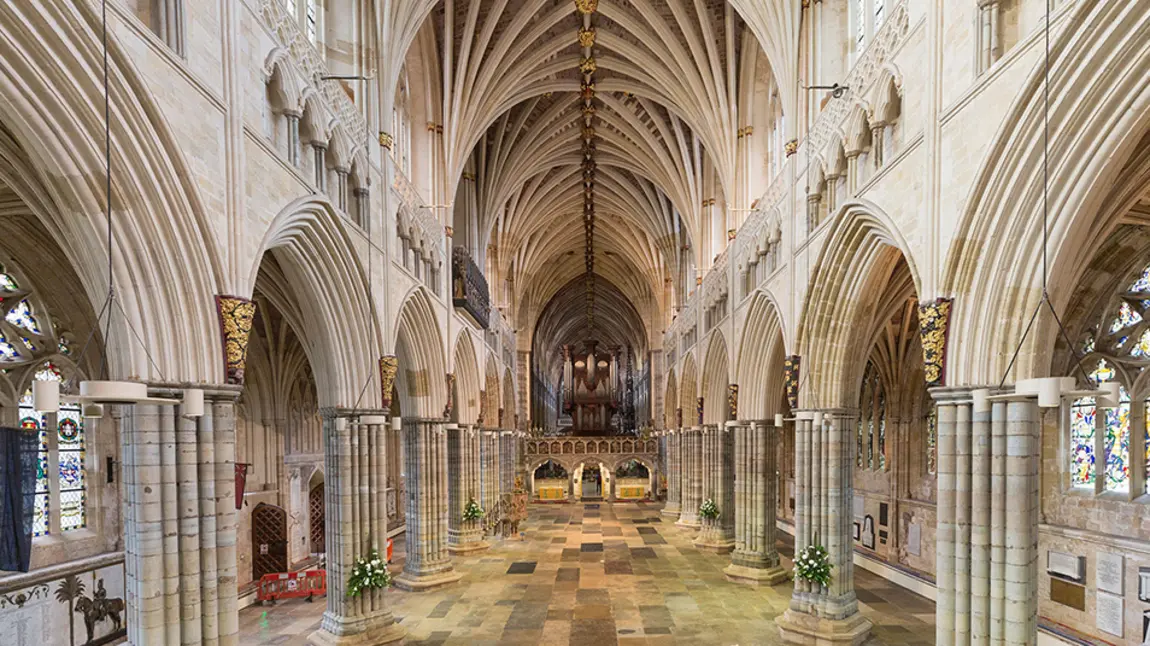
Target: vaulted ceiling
[[669, 76]]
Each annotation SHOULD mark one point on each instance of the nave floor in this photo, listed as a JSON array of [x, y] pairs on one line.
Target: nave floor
[[598, 574]]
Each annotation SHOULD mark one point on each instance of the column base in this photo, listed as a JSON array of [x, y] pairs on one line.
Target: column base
[[469, 547], [671, 509], [716, 546], [425, 582], [688, 522], [393, 633], [757, 576], [800, 628]]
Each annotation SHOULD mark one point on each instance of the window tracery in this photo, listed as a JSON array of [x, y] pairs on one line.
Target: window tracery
[[871, 434], [1117, 348]]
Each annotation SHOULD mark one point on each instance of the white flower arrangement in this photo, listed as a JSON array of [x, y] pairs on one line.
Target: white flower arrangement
[[472, 510], [708, 510], [368, 573], [813, 564]]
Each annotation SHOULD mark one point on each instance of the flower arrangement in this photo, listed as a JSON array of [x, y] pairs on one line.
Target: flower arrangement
[[813, 564], [368, 573], [708, 510], [472, 510]]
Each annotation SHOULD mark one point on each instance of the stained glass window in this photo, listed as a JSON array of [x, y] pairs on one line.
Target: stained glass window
[[30, 419], [70, 431], [1125, 317], [879, 13], [70, 470], [1082, 442], [882, 431], [1142, 284], [7, 282], [1118, 445], [21, 316], [1142, 347]]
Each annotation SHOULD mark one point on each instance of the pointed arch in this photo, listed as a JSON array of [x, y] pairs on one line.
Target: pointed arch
[[422, 366], [762, 353], [467, 380], [329, 304], [855, 265], [716, 378], [689, 391], [671, 402]]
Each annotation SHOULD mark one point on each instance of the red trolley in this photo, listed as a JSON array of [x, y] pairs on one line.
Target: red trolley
[[292, 585]]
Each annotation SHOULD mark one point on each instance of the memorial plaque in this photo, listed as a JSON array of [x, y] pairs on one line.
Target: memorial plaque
[[857, 531], [1108, 575], [1066, 566], [1108, 613], [1144, 584], [868, 533], [1068, 594], [914, 539], [883, 510]]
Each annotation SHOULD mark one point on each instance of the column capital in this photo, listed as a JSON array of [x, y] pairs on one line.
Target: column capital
[[961, 394], [215, 392]]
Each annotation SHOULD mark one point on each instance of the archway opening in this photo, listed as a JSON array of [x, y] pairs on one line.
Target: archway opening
[[550, 482], [633, 481]]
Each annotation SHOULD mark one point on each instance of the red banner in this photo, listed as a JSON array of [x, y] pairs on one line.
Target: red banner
[[241, 482]]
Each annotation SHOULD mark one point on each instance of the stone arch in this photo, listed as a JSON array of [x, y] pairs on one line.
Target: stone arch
[[993, 267], [467, 392], [863, 248], [716, 377], [492, 393], [331, 306], [762, 352], [689, 392], [156, 203], [508, 402], [419, 347], [671, 401]]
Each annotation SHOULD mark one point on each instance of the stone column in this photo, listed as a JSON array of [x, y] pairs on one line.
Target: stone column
[[294, 152], [463, 469], [986, 540], [427, 564], [825, 457], [489, 473], [755, 559], [718, 535], [674, 501], [180, 521], [691, 478], [355, 523]]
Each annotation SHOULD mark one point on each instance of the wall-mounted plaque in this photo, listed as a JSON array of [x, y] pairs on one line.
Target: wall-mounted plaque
[[868, 533], [792, 504], [1146, 628], [882, 536], [857, 532], [914, 539], [1108, 613], [1066, 566], [1068, 594], [1144, 584], [1108, 575], [883, 510]]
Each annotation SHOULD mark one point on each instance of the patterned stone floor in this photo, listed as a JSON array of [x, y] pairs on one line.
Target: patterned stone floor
[[598, 574]]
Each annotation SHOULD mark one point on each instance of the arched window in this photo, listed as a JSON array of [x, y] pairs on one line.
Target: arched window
[[871, 435], [33, 345], [1116, 347], [61, 457]]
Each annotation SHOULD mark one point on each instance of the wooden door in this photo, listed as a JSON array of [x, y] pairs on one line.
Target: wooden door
[[269, 540], [316, 507]]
